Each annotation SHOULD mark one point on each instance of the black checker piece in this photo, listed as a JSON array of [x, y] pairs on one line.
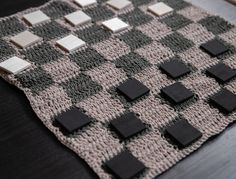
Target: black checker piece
[[73, 120], [128, 125], [175, 69], [182, 133], [125, 165], [176, 93], [224, 100], [133, 89], [214, 47], [221, 72]]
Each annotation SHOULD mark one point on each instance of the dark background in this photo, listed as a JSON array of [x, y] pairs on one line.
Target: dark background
[[29, 151]]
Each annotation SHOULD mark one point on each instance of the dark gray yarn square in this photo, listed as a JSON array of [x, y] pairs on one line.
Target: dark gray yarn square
[[132, 63], [177, 42], [99, 13], [216, 25], [42, 54], [36, 80], [11, 26], [136, 17], [87, 59], [140, 2], [81, 87], [58, 9], [50, 30], [176, 21], [176, 4], [93, 34], [5, 49], [135, 39]]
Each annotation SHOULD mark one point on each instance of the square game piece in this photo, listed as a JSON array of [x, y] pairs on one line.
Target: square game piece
[[175, 69], [115, 25], [84, 3], [214, 47], [78, 18], [177, 93], [128, 125], [25, 39], [225, 100], [160, 9], [125, 165], [73, 120], [133, 89], [119, 4], [36, 17], [70, 43], [182, 133], [14, 65], [221, 72]]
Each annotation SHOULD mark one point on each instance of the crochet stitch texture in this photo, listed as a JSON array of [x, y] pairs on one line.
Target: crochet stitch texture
[[88, 77]]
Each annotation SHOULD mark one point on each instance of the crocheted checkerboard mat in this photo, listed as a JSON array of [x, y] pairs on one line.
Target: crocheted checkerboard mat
[[88, 77]]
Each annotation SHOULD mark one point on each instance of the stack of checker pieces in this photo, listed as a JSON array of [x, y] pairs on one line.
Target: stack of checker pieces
[[131, 86]]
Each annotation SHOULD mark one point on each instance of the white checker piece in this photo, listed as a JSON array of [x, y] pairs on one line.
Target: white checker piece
[[70, 43], [14, 65], [36, 17], [160, 9], [84, 3], [119, 4], [115, 25], [25, 39], [78, 18]]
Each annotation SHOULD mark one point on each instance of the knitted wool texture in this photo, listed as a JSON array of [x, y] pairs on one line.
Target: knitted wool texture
[[88, 77]]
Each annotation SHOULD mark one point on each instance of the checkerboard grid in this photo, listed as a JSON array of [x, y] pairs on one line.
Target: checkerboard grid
[[166, 147]]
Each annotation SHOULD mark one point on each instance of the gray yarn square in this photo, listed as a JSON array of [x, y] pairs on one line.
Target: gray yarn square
[[36, 80], [50, 30], [136, 17], [216, 24], [176, 21], [176, 4], [87, 59], [132, 63], [11, 26], [42, 54], [58, 9], [6, 49], [99, 13], [177, 42], [135, 39], [80, 87], [93, 34]]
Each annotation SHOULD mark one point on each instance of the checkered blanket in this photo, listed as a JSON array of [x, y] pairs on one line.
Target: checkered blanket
[[87, 78]]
